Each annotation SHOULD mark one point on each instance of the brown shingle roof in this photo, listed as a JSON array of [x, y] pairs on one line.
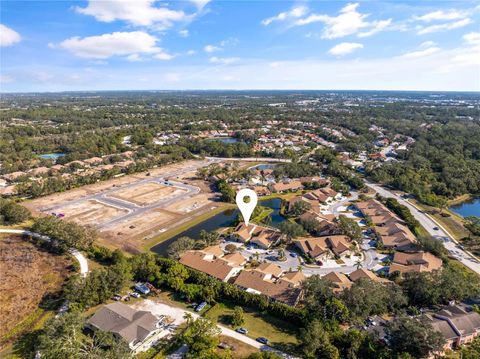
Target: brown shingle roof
[[415, 262], [130, 324], [218, 267]]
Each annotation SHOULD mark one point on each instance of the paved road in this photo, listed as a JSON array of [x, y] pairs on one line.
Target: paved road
[[78, 256], [429, 224]]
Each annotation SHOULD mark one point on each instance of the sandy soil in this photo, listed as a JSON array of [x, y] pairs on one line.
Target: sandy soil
[[90, 212], [148, 193], [27, 275]]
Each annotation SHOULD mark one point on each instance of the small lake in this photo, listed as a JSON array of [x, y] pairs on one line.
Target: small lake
[[468, 208], [51, 156], [263, 167], [224, 219]]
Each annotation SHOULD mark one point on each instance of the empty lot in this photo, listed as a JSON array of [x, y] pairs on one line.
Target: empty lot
[[130, 209]]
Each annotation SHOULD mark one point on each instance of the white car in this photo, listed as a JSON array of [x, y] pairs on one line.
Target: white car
[[135, 295]]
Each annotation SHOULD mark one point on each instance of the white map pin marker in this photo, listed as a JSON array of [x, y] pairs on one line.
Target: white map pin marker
[[246, 208]]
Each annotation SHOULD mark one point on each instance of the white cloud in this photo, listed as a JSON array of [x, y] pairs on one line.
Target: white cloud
[[420, 53], [472, 38], [130, 44], [211, 48], [345, 48], [183, 33], [427, 44], [223, 60], [191, 52], [378, 26], [348, 22], [8, 36], [441, 15], [294, 13], [134, 58], [135, 12], [162, 55], [200, 4], [444, 27]]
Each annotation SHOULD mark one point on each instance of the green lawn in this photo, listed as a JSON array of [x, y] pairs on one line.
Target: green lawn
[[280, 334]]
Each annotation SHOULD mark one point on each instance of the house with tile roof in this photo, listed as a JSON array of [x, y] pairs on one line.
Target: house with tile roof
[[212, 261], [270, 280], [139, 329], [263, 237], [339, 280], [415, 262], [458, 324]]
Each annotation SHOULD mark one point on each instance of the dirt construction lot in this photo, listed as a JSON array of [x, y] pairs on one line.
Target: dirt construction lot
[[148, 193], [130, 209], [90, 212], [27, 275]]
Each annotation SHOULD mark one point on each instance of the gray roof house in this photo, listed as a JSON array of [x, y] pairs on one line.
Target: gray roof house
[[137, 328]]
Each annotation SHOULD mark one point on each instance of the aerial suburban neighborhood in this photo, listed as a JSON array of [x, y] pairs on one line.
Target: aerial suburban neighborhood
[[205, 179]]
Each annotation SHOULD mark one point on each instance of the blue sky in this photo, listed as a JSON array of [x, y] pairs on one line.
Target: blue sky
[[201, 44]]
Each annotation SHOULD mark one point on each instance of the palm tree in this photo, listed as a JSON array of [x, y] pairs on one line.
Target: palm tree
[[358, 264]]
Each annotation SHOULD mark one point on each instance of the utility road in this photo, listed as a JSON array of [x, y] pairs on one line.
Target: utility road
[[433, 228]]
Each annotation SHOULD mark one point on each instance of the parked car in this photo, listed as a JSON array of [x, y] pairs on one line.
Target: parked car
[[201, 306], [135, 295], [294, 255], [223, 345], [241, 330], [262, 340], [117, 297]]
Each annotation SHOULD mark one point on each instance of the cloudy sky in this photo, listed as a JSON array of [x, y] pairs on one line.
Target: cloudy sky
[[202, 44]]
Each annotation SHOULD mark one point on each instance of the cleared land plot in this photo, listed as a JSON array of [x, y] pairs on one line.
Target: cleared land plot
[[148, 193], [27, 276], [190, 204], [128, 233], [90, 212]]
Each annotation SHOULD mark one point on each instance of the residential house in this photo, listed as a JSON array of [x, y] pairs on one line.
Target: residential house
[[264, 237], [366, 274], [458, 325], [11, 177], [270, 280], [285, 186], [387, 226], [139, 329], [325, 223], [319, 248], [214, 262], [340, 281], [414, 262]]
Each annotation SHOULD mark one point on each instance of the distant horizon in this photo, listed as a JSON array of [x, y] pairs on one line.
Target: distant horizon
[[239, 90], [137, 45]]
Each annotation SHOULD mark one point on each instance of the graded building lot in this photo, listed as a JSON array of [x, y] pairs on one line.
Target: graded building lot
[[90, 212], [148, 193], [130, 209]]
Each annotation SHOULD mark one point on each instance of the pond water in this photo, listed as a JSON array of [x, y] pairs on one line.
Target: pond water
[[51, 156], [263, 166], [224, 219], [468, 208]]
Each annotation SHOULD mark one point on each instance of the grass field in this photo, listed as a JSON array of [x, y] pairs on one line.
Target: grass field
[[279, 333]]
